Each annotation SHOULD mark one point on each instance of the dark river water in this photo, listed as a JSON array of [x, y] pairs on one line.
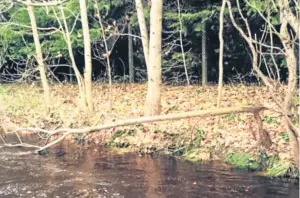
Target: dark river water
[[99, 173]]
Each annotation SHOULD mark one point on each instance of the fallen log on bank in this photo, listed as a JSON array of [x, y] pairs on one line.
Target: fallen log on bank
[[184, 115]]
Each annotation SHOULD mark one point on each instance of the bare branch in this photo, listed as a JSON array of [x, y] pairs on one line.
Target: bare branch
[[42, 4]]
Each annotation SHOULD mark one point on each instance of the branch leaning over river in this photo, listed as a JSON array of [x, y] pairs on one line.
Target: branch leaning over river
[[184, 115]]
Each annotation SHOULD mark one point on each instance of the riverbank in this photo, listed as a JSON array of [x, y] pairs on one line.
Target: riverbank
[[234, 140]]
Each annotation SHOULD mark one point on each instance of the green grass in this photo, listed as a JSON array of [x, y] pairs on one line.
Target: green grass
[[231, 116], [242, 160], [269, 120], [285, 137], [278, 170], [275, 168]]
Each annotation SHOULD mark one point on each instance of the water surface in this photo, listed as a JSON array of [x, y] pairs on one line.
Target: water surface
[[95, 172]]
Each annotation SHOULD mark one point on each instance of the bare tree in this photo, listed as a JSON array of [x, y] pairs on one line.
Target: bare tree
[[64, 29], [287, 17]]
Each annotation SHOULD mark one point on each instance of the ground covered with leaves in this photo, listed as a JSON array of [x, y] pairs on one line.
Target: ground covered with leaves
[[234, 139]]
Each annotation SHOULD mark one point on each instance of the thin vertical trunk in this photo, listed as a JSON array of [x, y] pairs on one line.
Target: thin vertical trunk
[[143, 29], [71, 74], [153, 100], [87, 54], [204, 58], [181, 44], [107, 51], [220, 85], [39, 54], [65, 31], [130, 54]]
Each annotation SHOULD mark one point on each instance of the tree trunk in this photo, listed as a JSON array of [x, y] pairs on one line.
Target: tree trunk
[[292, 85], [107, 54], [87, 54], [130, 54], [181, 44], [143, 28], [39, 54], [153, 105], [204, 58], [221, 53], [80, 81]]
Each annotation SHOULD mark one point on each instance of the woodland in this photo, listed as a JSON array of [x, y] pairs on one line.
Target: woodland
[[201, 80]]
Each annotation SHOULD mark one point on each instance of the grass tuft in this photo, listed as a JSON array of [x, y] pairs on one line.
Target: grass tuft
[[242, 160]]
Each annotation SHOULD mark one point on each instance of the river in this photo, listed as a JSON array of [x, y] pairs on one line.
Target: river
[[96, 172]]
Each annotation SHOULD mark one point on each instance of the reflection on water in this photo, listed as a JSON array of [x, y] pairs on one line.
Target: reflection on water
[[95, 172]]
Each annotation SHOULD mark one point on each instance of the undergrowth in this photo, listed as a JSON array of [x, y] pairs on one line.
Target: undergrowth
[[271, 165]]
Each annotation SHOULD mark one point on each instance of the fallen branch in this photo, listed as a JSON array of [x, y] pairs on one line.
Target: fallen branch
[[134, 121]]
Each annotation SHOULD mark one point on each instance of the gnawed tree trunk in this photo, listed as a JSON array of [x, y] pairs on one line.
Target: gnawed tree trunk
[[130, 53], [204, 56], [153, 99], [87, 54], [39, 54], [143, 28]]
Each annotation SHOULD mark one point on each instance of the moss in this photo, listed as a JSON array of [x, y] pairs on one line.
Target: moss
[[242, 160]]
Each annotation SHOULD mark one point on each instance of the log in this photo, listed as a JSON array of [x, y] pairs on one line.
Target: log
[[134, 121]]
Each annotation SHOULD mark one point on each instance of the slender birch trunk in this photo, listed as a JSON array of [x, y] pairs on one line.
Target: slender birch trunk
[[39, 54], [130, 53], [204, 58], [221, 54], [87, 54], [181, 45], [143, 28], [107, 51]]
